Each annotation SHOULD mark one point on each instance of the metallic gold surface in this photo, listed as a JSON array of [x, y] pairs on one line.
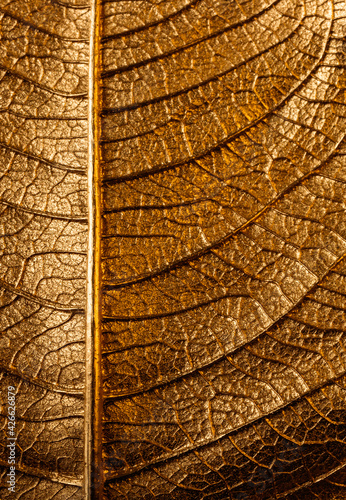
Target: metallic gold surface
[[222, 142], [44, 52], [202, 143], [93, 470]]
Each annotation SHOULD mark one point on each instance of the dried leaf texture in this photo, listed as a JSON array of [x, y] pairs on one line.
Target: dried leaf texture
[[223, 243], [43, 155]]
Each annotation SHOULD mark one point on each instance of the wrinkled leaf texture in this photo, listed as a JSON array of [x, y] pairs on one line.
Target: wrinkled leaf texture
[[222, 127], [44, 53]]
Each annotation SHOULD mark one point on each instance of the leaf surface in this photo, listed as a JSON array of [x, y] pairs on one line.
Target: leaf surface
[[218, 129], [223, 244], [43, 157]]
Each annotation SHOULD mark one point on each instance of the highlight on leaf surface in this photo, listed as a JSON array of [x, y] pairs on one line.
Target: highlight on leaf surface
[[44, 52], [203, 142]]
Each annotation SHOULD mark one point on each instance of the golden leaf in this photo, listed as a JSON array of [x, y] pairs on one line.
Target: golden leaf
[[205, 140]]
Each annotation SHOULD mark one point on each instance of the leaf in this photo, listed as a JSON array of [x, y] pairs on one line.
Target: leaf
[[191, 344], [43, 155], [223, 244]]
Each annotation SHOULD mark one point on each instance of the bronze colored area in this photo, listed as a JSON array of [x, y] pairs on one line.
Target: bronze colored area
[[44, 52], [214, 140], [224, 233]]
